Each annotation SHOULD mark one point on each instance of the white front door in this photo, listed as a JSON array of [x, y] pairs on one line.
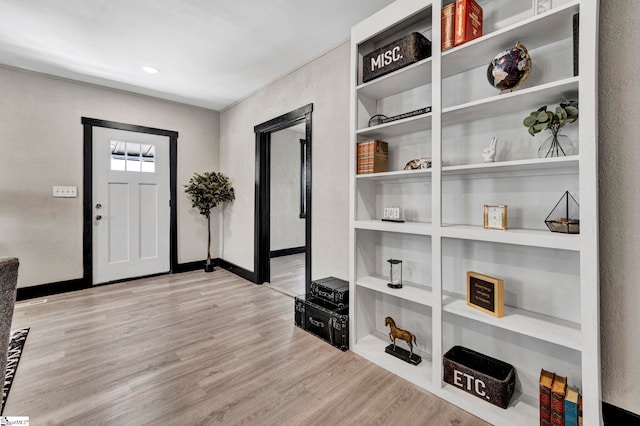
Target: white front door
[[131, 204]]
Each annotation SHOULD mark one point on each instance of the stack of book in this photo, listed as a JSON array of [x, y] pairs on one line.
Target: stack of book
[[372, 157], [460, 22], [560, 405]]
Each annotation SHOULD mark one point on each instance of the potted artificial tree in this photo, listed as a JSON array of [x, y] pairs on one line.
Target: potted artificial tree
[[206, 191]]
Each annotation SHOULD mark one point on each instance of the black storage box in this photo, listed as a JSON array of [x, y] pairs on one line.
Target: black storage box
[[332, 290], [324, 320], [480, 375], [406, 51]]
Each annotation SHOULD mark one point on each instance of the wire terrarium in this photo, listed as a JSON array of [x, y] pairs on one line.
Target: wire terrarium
[[565, 216]]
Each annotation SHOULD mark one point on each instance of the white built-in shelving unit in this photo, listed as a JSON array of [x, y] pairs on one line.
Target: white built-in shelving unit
[[551, 291]]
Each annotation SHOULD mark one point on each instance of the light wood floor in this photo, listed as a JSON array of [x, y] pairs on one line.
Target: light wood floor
[[198, 349], [287, 274]]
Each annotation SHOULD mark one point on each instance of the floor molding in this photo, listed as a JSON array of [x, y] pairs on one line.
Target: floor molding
[[287, 251], [239, 271], [193, 266], [59, 287], [49, 289], [614, 416]]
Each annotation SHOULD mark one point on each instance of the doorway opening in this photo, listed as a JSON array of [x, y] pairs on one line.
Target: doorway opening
[[282, 252], [96, 213]]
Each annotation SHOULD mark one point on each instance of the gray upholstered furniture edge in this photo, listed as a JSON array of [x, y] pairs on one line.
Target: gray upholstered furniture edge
[[8, 282]]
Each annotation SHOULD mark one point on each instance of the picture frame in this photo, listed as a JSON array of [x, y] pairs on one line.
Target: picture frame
[[495, 217], [485, 293]]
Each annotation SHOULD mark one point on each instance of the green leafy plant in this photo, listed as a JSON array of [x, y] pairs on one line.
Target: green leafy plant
[[542, 119], [206, 191]]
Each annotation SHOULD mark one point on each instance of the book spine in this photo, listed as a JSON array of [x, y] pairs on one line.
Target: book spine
[[576, 44], [570, 413], [460, 27], [360, 159], [447, 27], [557, 406], [365, 157], [546, 380], [579, 409], [468, 21]]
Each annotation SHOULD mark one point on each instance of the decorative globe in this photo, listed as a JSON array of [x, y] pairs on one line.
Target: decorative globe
[[509, 68]]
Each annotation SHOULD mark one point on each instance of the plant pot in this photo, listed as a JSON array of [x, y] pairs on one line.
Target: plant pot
[[208, 267]]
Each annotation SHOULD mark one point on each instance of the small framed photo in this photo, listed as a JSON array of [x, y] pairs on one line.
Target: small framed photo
[[485, 293], [495, 217]]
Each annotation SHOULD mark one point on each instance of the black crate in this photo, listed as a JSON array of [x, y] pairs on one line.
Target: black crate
[[324, 320], [406, 51], [487, 378], [332, 290]]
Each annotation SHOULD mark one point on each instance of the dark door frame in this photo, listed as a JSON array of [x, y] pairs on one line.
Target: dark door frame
[[262, 229], [87, 205]]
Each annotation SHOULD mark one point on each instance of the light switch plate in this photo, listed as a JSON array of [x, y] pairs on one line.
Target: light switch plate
[[65, 191]]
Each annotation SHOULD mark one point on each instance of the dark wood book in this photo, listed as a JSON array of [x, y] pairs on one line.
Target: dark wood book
[[447, 26], [468, 25]]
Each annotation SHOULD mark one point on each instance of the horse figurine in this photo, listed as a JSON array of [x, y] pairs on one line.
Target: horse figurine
[[398, 333]]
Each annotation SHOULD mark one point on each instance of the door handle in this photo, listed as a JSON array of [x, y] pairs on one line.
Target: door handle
[[98, 217]]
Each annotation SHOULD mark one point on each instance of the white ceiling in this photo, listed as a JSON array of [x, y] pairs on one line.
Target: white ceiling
[[210, 53]]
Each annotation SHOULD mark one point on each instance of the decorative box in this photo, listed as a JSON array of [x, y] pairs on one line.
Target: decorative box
[[323, 320], [480, 375], [406, 51], [332, 290]]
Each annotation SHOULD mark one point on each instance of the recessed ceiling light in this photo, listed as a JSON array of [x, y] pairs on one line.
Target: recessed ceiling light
[[150, 70]]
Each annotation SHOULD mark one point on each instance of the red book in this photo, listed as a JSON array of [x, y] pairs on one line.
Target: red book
[[558, 392], [447, 27], [468, 24], [546, 381]]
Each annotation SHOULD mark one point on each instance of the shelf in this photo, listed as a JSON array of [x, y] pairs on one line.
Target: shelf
[[405, 126], [564, 163], [419, 175], [409, 291], [464, 108], [415, 228], [533, 32], [520, 237], [519, 100], [409, 77], [522, 409], [543, 327], [372, 349]]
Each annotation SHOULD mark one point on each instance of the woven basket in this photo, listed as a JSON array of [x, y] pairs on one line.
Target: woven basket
[[487, 378], [408, 50]]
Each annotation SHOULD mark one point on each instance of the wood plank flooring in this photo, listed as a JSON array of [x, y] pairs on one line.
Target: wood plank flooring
[[287, 274], [198, 349]]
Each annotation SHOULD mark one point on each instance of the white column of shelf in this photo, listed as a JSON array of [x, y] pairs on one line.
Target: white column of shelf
[[436, 197], [370, 290]]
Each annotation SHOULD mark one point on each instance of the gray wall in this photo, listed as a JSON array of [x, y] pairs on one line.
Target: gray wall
[[619, 154], [287, 228], [325, 83], [41, 141]]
